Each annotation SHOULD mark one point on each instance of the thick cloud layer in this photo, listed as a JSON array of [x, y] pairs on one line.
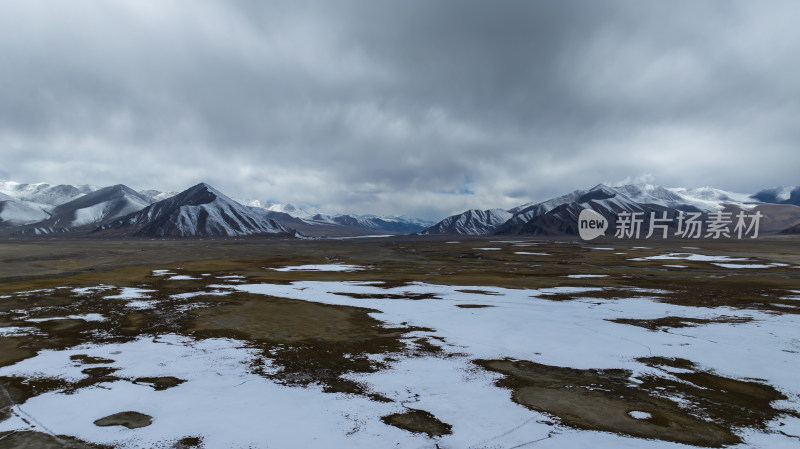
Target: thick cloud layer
[[416, 107]]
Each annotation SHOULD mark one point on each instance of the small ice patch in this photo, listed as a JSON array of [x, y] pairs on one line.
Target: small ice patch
[[744, 265], [676, 266], [182, 277], [526, 253], [161, 272], [82, 291], [488, 249], [566, 290], [141, 305], [636, 414], [579, 276], [16, 331], [230, 276], [131, 293], [690, 257], [599, 248], [188, 295], [325, 267], [84, 317]]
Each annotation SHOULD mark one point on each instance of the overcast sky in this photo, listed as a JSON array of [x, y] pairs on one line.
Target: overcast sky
[[423, 108]]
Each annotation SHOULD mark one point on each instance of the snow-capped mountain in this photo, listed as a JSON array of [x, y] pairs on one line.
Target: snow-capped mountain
[[779, 195], [101, 205], [200, 211], [470, 222], [157, 195], [36, 209], [559, 215], [711, 199], [98, 206], [22, 204], [19, 213], [43, 193], [329, 224]]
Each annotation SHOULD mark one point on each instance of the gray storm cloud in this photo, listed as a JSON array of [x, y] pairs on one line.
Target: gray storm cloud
[[415, 107]]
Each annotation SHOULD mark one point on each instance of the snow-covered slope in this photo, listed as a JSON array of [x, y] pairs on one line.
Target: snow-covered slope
[[157, 195], [44, 193], [711, 199], [470, 222], [389, 224], [99, 206], [19, 213], [393, 224], [632, 198], [779, 195], [287, 209], [198, 211]]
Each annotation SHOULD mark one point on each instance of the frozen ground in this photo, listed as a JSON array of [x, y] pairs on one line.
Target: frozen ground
[[326, 267], [223, 401]]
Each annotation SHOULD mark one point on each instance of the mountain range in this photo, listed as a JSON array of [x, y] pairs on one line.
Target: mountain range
[[559, 215], [200, 211], [203, 211]]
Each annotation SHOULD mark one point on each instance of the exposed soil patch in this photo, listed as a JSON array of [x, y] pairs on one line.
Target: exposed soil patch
[[38, 440], [84, 359], [478, 292], [607, 400], [473, 306], [676, 322], [281, 320], [304, 342], [131, 420], [160, 383], [425, 347], [188, 443], [418, 421], [733, 403], [405, 295]]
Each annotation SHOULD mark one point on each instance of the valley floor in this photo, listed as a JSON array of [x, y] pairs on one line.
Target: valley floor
[[400, 342]]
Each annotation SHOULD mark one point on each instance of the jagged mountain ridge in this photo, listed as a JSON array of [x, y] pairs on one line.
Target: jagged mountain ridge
[[200, 211], [558, 215], [101, 205], [318, 223], [157, 195], [22, 204], [211, 213], [20, 216], [97, 206], [44, 193], [470, 222]]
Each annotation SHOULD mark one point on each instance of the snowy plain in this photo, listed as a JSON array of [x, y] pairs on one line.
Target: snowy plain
[[231, 407]]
